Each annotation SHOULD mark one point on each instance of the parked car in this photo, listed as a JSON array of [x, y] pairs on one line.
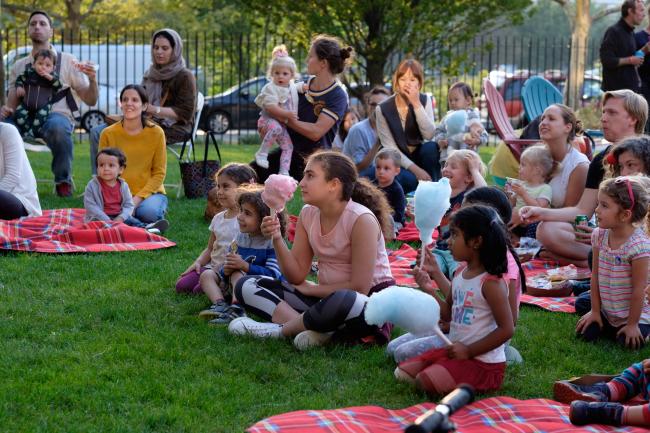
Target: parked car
[[233, 109]]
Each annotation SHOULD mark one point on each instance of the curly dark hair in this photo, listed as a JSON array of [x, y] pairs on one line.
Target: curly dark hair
[[252, 194]]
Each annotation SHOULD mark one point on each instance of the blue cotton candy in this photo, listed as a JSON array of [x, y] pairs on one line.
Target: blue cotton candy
[[455, 122], [431, 203], [410, 309]]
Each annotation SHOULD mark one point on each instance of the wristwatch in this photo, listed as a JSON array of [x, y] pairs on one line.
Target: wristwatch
[[158, 110]]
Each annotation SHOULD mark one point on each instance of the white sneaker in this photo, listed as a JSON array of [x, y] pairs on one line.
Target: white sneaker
[[403, 376], [261, 159], [309, 339], [248, 326]]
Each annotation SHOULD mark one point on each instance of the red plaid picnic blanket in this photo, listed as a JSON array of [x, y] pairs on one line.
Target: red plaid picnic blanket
[[400, 265], [562, 305], [410, 233], [64, 231], [491, 415]]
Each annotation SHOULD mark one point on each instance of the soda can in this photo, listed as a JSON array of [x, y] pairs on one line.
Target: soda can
[[581, 221]]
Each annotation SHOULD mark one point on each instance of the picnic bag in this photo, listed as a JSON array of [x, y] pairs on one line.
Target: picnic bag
[[198, 176]]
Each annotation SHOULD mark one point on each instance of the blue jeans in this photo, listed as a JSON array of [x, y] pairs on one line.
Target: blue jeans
[[57, 133], [152, 209], [94, 145], [427, 157]]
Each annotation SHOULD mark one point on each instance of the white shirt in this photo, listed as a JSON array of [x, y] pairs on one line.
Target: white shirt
[[560, 181], [16, 175], [225, 231]]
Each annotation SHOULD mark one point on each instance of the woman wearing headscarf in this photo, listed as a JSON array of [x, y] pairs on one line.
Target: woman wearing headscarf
[[170, 89]]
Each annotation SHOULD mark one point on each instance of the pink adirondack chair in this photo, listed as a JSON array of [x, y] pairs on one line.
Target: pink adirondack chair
[[497, 112]]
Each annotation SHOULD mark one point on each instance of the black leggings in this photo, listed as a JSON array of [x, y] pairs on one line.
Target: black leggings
[[340, 312], [10, 206]]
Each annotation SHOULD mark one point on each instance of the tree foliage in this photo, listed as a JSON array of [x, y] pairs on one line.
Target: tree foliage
[[383, 31]]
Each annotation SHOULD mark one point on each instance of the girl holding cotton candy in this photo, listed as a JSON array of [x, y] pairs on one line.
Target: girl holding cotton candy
[[461, 127], [476, 304], [342, 224], [415, 342]]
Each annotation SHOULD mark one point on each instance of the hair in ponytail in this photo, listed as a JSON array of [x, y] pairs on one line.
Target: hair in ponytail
[[330, 48], [495, 198], [337, 165]]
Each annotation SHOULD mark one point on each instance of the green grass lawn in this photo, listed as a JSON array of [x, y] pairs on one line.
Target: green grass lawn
[[102, 343]]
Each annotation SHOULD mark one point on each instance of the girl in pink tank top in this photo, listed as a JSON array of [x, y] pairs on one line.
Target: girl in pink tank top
[[476, 304], [342, 225]]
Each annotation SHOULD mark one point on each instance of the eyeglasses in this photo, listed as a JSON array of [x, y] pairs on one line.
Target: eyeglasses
[[624, 180]]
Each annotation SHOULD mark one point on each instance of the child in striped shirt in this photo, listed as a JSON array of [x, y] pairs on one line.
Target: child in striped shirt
[[621, 254]]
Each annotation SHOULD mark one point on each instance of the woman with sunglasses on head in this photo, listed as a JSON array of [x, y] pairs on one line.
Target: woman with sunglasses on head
[[621, 258]]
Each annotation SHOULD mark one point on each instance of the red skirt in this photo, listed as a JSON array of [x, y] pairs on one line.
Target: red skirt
[[481, 375]]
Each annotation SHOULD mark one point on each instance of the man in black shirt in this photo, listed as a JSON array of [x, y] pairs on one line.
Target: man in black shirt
[[620, 65]]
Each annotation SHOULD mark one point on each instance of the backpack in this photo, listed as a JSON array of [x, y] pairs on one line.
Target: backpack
[[38, 94]]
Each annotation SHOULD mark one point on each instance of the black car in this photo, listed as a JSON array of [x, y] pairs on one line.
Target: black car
[[233, 109]]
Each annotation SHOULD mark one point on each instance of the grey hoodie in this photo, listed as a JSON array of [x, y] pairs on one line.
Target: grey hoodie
[[94, 202]]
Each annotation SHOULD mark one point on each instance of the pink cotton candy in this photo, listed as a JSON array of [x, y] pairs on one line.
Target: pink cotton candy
[[278, 190]]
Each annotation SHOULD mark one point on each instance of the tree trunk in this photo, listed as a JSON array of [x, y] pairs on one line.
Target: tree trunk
[[578, 56], [73, 20]]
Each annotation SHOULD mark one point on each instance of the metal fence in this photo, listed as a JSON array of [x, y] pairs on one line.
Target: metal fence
[[225, 61]]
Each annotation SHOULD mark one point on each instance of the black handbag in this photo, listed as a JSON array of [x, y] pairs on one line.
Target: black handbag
[[198, 176]]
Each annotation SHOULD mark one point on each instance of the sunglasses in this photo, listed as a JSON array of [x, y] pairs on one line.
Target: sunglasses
[[630, 193]]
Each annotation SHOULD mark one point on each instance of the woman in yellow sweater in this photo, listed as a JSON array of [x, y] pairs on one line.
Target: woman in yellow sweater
[[143, 143]]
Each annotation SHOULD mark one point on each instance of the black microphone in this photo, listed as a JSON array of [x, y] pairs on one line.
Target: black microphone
[[433, 419]]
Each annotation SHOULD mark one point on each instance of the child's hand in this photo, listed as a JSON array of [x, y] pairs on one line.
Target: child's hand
[[194, 267], [472, 163], [443, 144], [423, 279], [20, 92], [234, 262], [430, 265], [633, 336], [270, 228], [458, 351], [476, 130], [518, 188], [588, 319]]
